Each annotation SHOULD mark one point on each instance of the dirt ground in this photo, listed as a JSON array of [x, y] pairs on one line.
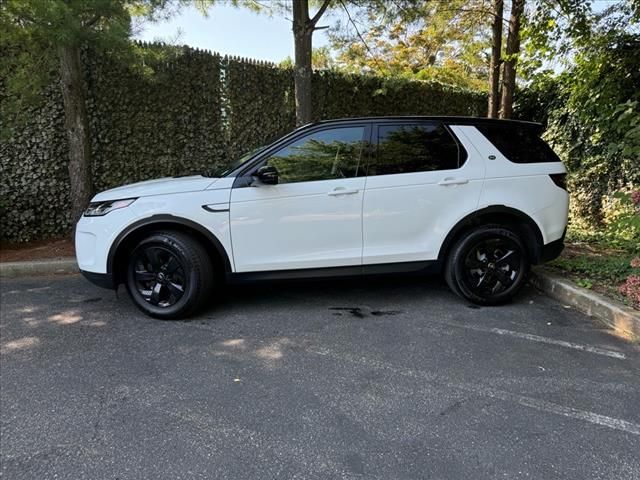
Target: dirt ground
[[17, 252]]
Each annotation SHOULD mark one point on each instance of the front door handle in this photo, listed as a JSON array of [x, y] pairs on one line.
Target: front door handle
[[453, 181], [342, 191]]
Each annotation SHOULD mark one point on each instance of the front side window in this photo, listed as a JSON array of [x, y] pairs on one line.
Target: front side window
[[411, 148], [325, 155]]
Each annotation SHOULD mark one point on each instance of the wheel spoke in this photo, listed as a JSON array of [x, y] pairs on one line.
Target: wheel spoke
[[503, 259], [153, 257], [172, 265], [473, 263], [155, 294], [144, 276], [505, 279], [175, 289]]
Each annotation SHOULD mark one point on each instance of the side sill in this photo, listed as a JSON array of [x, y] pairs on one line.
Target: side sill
[[104, 280], [424, 267]]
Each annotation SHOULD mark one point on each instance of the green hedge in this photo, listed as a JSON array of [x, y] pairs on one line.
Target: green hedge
[[176, 110]]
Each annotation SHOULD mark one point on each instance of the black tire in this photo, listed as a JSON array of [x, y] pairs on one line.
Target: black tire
[[169, 275], [487, 265]]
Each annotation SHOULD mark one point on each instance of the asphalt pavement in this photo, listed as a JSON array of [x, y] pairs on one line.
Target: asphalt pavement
[[388, 379]]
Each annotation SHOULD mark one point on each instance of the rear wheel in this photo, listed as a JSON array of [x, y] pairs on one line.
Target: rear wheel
[[169, 275], [487, 266]]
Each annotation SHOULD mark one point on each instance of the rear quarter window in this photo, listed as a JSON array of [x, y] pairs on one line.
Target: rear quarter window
[[519, 144]]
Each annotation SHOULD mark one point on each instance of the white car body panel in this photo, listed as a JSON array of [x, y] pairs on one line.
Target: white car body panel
[[297, 225], [160, 186], [95, 235], [524, 187]]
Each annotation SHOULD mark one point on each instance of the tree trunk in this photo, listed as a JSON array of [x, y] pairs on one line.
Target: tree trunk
[[77, 128], [511, 51], [494, 66], [302, 33]]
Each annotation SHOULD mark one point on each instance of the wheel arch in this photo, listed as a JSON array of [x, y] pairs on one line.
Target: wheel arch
[[523, 224], [137, 230]]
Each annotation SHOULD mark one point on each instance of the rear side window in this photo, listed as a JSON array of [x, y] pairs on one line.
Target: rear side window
[[519, 144], [416, 147]]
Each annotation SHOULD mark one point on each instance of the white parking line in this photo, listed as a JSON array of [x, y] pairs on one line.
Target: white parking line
[[542, 405], [538, 338]]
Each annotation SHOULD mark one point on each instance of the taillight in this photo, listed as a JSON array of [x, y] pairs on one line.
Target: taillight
[[560, 179]]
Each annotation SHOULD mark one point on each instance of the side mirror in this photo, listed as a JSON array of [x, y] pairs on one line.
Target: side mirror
[[267, 174]]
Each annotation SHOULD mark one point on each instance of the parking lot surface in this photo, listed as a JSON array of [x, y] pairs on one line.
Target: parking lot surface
[[385, 379]]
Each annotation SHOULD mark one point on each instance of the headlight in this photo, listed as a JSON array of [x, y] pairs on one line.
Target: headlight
[[97, 209]]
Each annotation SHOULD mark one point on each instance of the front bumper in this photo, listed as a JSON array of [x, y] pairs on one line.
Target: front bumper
[[104, 280]]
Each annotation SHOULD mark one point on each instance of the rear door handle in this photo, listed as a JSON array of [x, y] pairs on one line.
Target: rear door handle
[[453, 181], [342, 191]]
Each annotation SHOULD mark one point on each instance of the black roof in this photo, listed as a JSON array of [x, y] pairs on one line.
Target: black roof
[[453, 120]]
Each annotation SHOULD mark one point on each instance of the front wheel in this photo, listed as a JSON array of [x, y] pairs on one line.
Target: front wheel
[[487, 266], [169, 275]]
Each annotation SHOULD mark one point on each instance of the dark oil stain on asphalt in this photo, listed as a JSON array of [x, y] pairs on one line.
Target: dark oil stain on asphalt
[[92, 300], [355, 311], [451, 408], [359, 313], [380, 313]]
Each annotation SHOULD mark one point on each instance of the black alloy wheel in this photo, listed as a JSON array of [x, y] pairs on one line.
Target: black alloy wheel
[[169, 275], [159, 276], [488, 265], [492, 265]]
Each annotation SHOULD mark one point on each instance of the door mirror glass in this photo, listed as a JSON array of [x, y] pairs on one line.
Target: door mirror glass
[[267, 174]]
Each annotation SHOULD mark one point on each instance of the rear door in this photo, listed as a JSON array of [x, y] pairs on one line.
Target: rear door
[[420, 181]]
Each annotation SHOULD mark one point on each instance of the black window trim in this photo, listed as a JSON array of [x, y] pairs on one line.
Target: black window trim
[[244, 177], [463, 155]]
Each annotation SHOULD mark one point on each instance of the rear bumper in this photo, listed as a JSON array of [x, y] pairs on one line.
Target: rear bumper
[[552, 250], [104, 280]]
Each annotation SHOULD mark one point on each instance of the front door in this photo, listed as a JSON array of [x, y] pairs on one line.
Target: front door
[[312, 217]]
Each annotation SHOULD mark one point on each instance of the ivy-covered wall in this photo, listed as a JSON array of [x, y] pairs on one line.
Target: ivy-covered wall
[[176, 111]]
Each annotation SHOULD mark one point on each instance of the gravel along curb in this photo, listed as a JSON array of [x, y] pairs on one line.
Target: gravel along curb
[[39, 267], [622, 319]]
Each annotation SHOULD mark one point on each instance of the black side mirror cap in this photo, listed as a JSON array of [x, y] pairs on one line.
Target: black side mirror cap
[[267, 174]]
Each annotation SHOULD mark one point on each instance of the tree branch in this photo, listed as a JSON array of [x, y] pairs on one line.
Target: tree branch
[[93, 21], [319, 13]]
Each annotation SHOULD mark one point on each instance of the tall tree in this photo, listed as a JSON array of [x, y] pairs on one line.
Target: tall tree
[[303, 28], [512, 50], [41, 37], [496, 61]]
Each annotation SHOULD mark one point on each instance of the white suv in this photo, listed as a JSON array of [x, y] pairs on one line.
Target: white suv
[[479, 199]]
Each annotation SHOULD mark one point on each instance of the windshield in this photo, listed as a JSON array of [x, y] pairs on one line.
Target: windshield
[[225, 170]]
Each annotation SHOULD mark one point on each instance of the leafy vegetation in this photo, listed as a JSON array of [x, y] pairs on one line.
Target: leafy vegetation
[[177, 110], [441, 41], [592, 108], [607, 259]]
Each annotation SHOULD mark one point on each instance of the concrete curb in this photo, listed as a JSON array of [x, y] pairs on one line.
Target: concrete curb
[[39, 267], [624, 320]]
